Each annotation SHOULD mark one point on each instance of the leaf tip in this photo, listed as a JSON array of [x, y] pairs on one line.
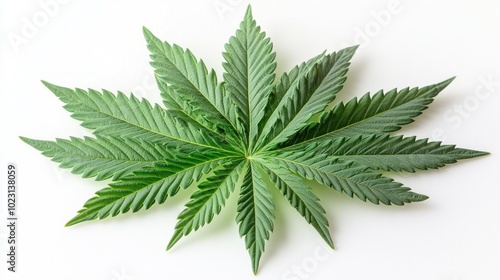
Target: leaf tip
[[25, 139], [176, 237], [32, 142], [170, 244], [148, 35], [446, 82], [76, 220], [474, 154], [248, 13], [255, 263], [330, 243], [47, 84], [460, 153], [420, 197], [255, 268]]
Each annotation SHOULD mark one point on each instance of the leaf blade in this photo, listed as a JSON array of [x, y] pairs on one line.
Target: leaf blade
[[301, 197], [284, 86], [347, 177], [149, 185], [207, 201], [255, 214], [102, 157], [311, 95], [188, 85], [382, 113], [383, 152], [109, 114], [249, 72]]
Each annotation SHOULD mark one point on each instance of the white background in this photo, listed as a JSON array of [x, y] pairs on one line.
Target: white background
[[452, 236]]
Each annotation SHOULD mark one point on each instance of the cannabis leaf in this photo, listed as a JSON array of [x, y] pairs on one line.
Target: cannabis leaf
[[248, 131]]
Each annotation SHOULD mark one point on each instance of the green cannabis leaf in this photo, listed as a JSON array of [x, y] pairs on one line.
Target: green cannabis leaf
[[250, 131]]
